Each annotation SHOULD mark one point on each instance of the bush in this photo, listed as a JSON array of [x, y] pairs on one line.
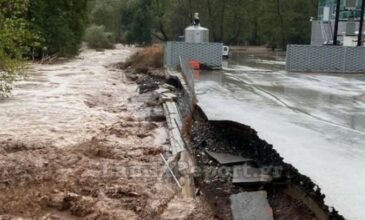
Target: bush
[[148, 58], [61, 24], [11, 70], [97, 38], [15, 38], [137, 22], [108, 14]]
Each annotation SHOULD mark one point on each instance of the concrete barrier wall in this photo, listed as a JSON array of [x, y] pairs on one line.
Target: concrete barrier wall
[[308, 58], [209, 54]]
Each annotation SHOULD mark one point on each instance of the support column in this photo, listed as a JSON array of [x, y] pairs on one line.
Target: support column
[[360, 38], [335, 33]]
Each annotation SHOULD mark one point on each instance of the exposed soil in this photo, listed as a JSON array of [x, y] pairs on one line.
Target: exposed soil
[[97, 159], [285, 207], [214, 180]]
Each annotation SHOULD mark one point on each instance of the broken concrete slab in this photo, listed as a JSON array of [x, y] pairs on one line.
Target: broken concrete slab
[[168, 97], [173, 119], [173, 113], [168, 86], [228, 159], [245, 174], [251, 206], [162, 91]]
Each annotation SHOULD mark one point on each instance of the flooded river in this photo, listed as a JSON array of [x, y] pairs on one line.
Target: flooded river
[[315, 121], [65, 103]]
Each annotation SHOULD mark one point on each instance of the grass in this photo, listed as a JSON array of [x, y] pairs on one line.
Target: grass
[[148, 58]]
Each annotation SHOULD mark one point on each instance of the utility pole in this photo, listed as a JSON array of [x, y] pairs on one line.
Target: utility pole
[[335, 33], [359, 39]]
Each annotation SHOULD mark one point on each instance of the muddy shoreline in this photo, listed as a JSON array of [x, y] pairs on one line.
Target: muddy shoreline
[[102, 137], [108, 166]]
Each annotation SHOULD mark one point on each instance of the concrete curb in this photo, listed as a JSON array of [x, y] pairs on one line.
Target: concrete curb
[[181, 161]]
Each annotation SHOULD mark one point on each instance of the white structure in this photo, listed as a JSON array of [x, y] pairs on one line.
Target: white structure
[[323, 27], [226, 52], [195, 33], [350, 41]]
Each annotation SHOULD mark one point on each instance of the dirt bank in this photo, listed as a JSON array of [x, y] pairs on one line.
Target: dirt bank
[[78, 141], [291, 195]]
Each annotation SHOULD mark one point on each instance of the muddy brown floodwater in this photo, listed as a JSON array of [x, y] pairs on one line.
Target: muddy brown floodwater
[[77, 142]]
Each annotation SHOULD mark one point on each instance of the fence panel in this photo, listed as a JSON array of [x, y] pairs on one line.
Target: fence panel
[[309, 58], [209, 54]]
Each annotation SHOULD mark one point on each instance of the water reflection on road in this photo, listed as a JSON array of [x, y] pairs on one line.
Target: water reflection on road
[[315, 121]]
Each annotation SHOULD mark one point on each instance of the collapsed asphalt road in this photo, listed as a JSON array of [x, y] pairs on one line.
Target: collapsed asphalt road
[[314, 121]]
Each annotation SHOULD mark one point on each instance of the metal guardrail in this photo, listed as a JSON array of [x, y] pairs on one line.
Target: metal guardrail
[[336, 59]]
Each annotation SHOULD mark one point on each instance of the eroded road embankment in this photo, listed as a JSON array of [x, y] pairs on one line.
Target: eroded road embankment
[[77, 141], [291, 195], [314, 121], [235, 169]]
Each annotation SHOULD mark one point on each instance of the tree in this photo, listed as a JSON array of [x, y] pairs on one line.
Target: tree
[[137, 22], [61, 23], [107, 13], [274, 23], [97, 38], [16, 40]]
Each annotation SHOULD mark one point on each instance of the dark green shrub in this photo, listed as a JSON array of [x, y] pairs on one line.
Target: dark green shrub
[[97, 38], [16, 39], [61, 23]]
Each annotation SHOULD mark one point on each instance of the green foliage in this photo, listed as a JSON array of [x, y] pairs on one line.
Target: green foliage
[[34, 28], [139, 22], [108, 14], [16, 39], [61, 23], [241, 22], [253, 22], [286, 22], [97, 38], [130, 21], [10, 70]]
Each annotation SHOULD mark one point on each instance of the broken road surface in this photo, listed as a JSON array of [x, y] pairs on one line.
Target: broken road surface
[[316, 122]]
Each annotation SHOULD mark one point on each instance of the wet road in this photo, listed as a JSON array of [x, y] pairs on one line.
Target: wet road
[[315, 121]]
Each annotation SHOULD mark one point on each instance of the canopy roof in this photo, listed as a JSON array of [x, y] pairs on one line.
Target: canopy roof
[[333, 2]]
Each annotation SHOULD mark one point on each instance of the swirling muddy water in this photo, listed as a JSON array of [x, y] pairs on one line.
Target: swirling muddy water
[[65, 104], [79, 141], [315, 121]]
